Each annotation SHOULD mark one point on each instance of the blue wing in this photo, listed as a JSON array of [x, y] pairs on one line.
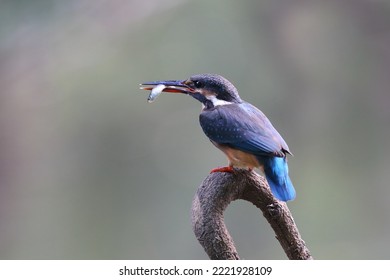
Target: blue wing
[[244, 127]]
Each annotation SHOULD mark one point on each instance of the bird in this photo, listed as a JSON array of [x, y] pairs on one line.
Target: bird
[[237, 128]]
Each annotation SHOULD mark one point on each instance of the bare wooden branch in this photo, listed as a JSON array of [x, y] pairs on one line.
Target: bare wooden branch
[[217, 191]]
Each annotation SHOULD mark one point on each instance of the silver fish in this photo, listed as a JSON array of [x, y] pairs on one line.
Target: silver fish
[[156, 91]]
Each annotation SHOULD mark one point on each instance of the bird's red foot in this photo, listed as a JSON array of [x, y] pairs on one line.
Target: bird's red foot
[[228, 169]]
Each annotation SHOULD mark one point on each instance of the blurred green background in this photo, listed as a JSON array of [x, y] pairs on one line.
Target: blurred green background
[[90, 170]]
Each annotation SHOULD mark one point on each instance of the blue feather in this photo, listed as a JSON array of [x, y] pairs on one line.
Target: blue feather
[[244, 127], [276, 172]]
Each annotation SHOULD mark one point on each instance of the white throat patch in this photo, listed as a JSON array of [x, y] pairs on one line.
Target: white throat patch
[[216, 101]]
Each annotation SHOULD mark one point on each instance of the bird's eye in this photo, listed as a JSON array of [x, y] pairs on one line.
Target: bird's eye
[[198, 84]]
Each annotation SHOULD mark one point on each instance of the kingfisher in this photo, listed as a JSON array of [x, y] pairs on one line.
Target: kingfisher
[[237, 128]]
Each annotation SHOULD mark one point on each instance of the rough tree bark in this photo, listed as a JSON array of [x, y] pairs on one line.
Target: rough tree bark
[[217, 191]]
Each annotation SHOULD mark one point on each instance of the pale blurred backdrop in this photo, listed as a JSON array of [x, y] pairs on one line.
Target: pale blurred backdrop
[[90, 170]]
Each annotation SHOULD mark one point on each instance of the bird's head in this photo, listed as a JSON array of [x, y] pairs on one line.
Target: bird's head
[[210, 89]]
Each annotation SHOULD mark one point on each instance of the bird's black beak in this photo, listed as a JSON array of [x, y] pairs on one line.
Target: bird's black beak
[[173, 86]]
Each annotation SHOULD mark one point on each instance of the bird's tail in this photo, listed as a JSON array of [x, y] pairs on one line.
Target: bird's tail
[[276, 172]]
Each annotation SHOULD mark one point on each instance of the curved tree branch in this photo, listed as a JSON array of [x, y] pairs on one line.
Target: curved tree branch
[[217, 191]]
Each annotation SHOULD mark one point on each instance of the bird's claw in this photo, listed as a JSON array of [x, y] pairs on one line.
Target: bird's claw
[[228, 169]]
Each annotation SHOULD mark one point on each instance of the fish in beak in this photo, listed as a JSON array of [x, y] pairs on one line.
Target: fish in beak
[[171, 86]]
